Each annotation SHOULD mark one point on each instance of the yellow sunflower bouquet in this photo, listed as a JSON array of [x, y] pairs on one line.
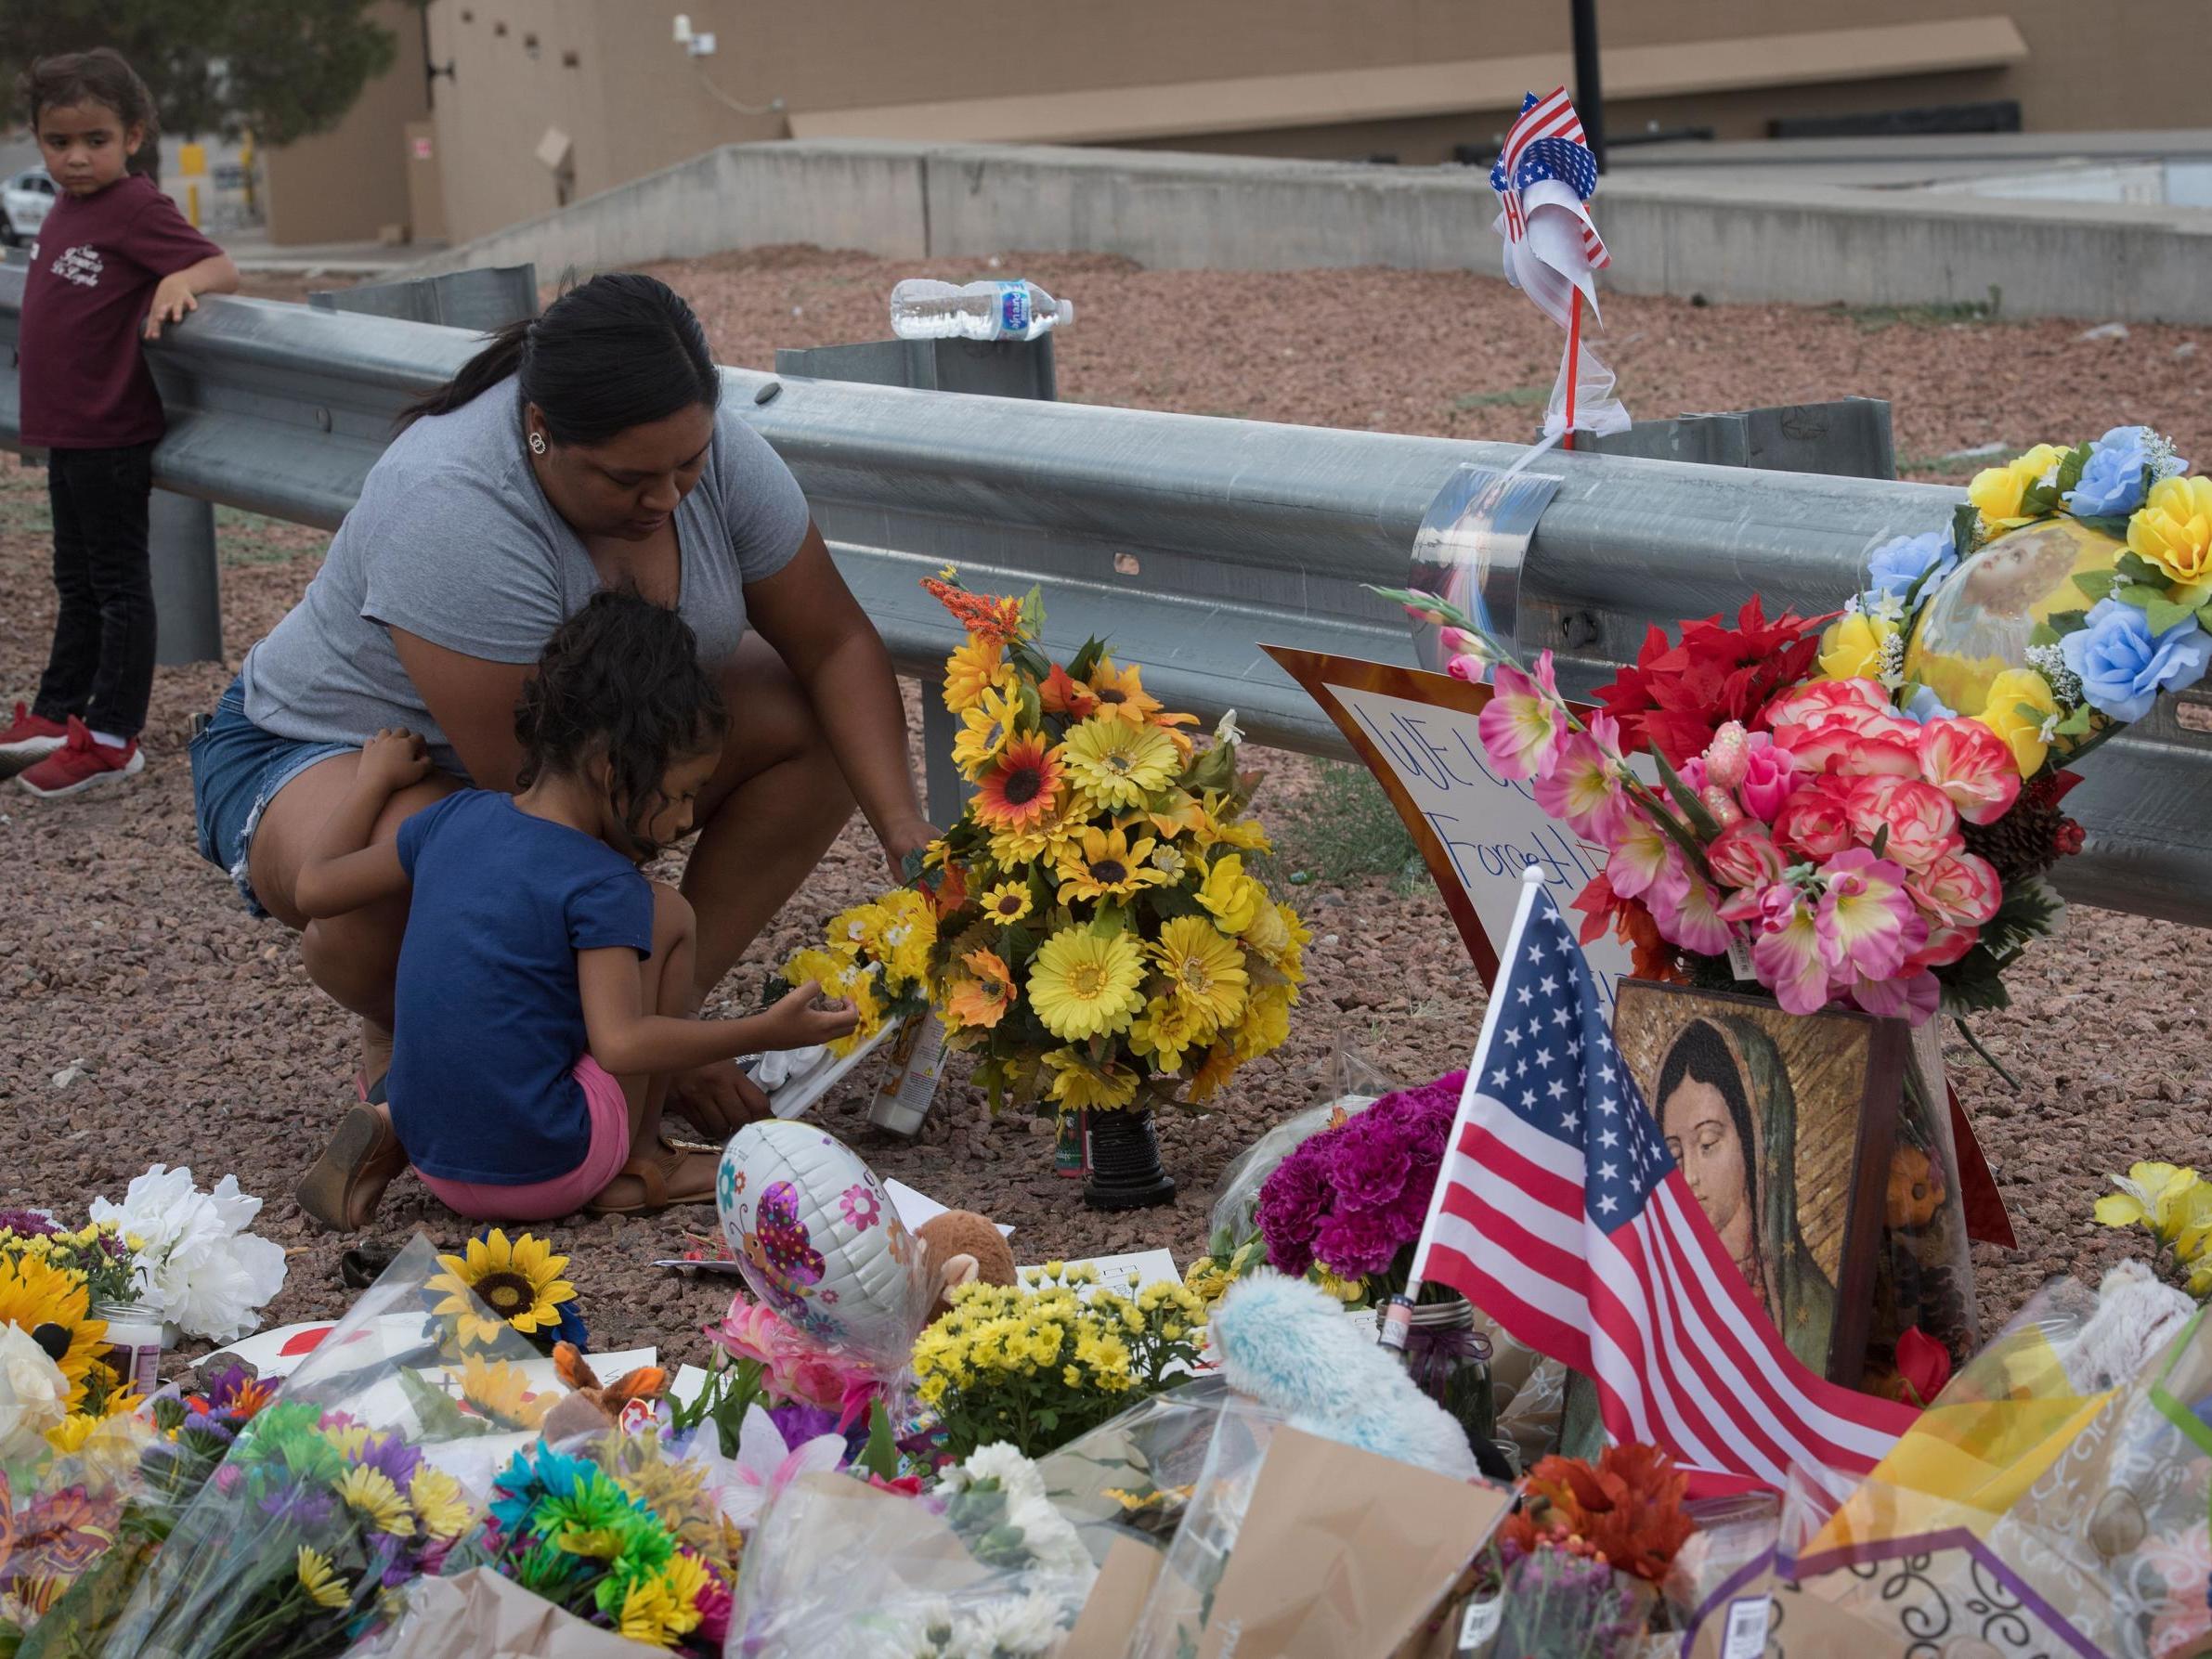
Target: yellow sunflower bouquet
[[1099, 942]]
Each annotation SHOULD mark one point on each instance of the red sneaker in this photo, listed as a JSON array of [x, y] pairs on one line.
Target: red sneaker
[[31, 738], [81, 763]]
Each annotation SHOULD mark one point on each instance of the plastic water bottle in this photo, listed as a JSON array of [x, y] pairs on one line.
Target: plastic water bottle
[[922, 310]]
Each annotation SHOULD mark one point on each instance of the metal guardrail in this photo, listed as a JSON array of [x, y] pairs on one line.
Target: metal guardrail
[[1186, 539]]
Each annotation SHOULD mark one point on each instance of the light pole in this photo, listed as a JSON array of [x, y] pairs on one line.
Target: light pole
[[1590, 99]]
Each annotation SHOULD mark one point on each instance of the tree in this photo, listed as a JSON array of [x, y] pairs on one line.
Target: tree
[[281, 69]]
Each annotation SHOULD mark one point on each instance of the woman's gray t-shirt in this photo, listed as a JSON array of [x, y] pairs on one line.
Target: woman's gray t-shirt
[[453, 541]]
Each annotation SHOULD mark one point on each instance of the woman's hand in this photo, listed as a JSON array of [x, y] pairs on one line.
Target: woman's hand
[[909, 835]]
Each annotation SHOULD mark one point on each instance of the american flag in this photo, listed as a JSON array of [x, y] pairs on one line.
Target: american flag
[[1546, 142], [1561, 1215]]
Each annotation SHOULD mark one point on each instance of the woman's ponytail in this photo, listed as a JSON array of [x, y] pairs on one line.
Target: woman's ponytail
[[619, 351]]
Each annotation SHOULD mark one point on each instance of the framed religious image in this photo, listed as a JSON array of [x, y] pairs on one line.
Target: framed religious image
[[1783, 1125]]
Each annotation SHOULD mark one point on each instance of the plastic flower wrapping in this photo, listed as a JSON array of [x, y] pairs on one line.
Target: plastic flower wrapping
[[1091, 931], [984, 1565]]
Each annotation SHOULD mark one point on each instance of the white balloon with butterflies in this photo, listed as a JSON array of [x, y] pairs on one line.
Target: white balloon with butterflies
[[816, 1238]]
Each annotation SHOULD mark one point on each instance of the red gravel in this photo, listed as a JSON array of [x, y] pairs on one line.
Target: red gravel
[[206, 1045]]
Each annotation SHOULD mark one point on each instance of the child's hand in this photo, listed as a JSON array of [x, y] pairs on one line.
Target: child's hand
[[171, 301], [393, 760], [796, 1022]]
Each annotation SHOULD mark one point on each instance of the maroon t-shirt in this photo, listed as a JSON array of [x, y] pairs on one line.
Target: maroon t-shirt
[[93, 268]]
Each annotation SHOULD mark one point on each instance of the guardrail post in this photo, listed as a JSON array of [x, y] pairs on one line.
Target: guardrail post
[[989, 368], [486, 299], [187, 591], [1849, 438]]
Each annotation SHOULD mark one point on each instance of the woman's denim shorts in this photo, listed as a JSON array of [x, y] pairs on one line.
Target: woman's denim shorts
[[237, 770]]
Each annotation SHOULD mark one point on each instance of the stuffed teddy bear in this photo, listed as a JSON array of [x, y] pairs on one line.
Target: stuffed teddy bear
[[1288, 1344], [2136, 1320], [962, 1248]]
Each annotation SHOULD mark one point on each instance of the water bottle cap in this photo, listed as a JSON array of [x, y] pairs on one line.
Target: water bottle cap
[[1065, 309]]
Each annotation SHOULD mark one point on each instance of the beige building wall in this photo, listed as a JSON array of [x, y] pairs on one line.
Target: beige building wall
[[1345, 79], [345, 185]]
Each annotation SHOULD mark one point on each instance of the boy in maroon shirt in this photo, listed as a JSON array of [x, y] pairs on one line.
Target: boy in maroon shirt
[[111, 242]]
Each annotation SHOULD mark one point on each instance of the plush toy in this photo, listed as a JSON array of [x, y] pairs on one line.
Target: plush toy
[[962, 1248], [1288, 1344], [2136, 1320], [592, 1406]]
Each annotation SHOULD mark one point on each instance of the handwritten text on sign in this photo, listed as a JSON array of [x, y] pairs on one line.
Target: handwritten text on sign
[[1490, 827]]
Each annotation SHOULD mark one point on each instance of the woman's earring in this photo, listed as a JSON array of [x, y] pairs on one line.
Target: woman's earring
[[537, 443]]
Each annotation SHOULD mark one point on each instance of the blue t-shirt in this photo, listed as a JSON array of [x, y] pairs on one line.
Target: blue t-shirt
[[489, 1019]]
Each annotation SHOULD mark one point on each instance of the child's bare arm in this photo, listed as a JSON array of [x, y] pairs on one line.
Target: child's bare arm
[[627, 1041], [344, 872], [179, 292]]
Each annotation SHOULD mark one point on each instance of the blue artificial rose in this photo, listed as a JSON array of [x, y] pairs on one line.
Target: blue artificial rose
[[1925, 705], [1897, 565], [2115, 480], [2123, 666]]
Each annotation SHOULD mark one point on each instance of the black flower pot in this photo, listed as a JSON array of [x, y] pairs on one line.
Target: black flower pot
[[1123, 1156]]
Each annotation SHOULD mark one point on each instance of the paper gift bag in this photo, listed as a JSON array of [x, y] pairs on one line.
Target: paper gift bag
[[1108, 1618], [1342, 1554], [478, 1615]]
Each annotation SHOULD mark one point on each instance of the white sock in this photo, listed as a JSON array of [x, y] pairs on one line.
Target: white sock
[[108, 741]]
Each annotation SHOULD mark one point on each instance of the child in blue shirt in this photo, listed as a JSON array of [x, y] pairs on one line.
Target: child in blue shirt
[[542, 983]]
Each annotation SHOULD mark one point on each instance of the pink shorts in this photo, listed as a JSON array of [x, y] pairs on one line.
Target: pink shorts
[[608, 1109]]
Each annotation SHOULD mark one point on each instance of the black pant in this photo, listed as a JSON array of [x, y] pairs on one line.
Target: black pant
[[101, 668]]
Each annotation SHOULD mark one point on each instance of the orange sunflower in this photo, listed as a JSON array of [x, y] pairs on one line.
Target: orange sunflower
[[1018, 792], [984, 999]]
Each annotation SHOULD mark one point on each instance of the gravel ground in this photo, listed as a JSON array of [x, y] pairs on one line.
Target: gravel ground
[[205, 1044]]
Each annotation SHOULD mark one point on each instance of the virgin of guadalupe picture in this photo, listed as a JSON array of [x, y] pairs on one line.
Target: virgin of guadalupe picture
[[1781, 1124]]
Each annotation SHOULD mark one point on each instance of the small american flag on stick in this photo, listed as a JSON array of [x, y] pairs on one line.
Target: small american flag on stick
[[1561, 1215]]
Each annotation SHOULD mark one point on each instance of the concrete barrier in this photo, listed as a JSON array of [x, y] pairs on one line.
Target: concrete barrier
[[1759, 239]]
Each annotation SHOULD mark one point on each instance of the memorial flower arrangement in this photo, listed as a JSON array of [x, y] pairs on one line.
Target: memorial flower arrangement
[[1091, 931], [1036, 1364], [567, 1530], [875, 957], [196, 1266]]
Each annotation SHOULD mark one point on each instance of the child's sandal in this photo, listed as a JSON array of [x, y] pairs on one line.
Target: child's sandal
[[339, 1193], [653, 1179]]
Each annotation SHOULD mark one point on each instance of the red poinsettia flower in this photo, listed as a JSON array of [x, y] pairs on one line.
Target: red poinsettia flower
[[1677, 695]]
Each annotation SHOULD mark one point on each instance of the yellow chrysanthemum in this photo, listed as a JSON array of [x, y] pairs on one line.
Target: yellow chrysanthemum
[[1040, 841], [1233, 898], [1007, 903], [520, 1282], [323, 1585], [439, 1502], [34, 1295], [986, 731], [972, 670], [1220, 825], [1204, 971], [369, 1493], [75, 1431], [499, 1391], [1082, 986], [1216, 1070], [1077, 1085], [1121, 695], [1101, 864], [1116, 764], [860, 928], [1266, 1025]]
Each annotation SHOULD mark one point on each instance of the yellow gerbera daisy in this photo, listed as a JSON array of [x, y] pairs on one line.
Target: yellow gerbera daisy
[[1101, 864], [1078, 1085], [1121, 694], [51, 1305], [1082, 986], [986, 731], [664, 1607], [371, 1495], [1166, 1032], [1216, 1070], [1233, 897], [1116, 764], [1204, 971], [521, 1284], [1007, 903], [324, 1588], [439, 1502], [973, 669], [501, 1392]]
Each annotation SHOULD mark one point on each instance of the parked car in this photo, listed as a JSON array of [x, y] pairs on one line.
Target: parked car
[[24, 199]]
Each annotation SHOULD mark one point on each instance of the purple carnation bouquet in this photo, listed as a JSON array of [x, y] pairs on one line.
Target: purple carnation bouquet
[[1350, 1200]]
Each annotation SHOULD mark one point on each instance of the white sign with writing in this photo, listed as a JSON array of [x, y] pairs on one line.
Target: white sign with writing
[[1490, 827]]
